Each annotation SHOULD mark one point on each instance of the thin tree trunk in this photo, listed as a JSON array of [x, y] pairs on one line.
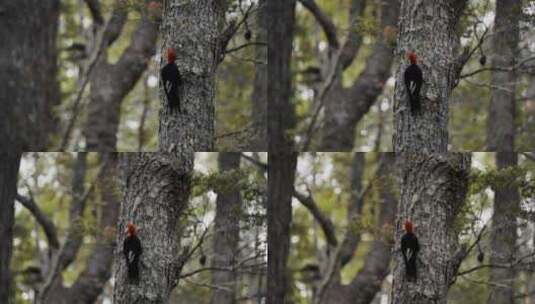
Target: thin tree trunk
[[193, 30], [501, 124], [28, 86], [429, 28], [281, 187], [282, 160], [503, 235], [156, 193], [226, 235], [9, 169], [259, 98], [432, 193]]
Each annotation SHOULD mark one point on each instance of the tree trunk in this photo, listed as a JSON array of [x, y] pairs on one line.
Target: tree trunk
[[503, 235], [110, 83], [429, 28], [281, 187], [432, 193], [282, 160], [259, 114], [28, 86], [156, 192], [501, 124], [9, 169], [193, 30], [226, 235]]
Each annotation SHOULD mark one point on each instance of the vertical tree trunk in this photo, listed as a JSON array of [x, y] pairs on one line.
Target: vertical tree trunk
[[9, 169], [28, 86], [259, 108], [429, 28], [503, 235], [193, 29], [281, 187], [226, 235], [156, 193], [501, 124], [282, 160], [432, 193]]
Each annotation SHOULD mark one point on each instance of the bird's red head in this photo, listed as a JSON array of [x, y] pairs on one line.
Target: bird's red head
[[408, 226], [131, 229], [412, 57], [171, 55]]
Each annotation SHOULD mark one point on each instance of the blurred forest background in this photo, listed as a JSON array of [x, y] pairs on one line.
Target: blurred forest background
[[108, 60], [64, 213], [344, 210], [349, 108]]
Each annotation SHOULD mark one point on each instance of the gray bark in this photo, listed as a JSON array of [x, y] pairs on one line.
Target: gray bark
[[259, 98], [28, 86], [432, 193], [156, 190], [226, 235], [193, 29], [9, 169], [429, 28], [365, 285], [345, 107], [503, 235], [501, 124], [110, 83]]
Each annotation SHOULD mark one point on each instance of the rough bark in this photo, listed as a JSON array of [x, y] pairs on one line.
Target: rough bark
[[28, 86], [193, 30], [156, 191], [501, 124], [110, 83], [259, 98], [429, 28], [365, 285], [503, 235], [226, 235], [345, 107], [432, 192], [9, 169]]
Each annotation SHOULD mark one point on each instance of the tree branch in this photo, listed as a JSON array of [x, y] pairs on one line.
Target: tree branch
[[324, 21], [325, 223], [45, 222]]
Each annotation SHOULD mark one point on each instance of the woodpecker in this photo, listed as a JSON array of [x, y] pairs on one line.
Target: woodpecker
[[413, 83], [410, 249], [172, 81], [132, 251]]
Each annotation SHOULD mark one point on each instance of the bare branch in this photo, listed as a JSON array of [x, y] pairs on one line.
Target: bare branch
[[45, 222], [326, 224], [325, 22], [94, 9]]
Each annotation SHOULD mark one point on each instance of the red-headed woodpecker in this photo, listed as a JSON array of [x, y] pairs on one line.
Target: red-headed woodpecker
[[132, 251], [413, 83], [172, 81], [410, 249]]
